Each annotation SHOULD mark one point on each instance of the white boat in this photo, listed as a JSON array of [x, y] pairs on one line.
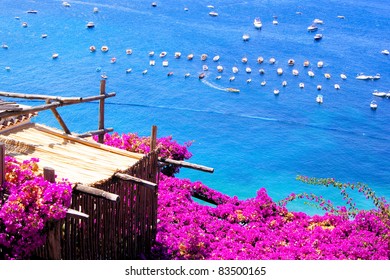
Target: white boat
[[320, 64], [216, 58], [275, 22], [186, 75], [113, 60], [203, 57], [310, 73], [177, 54], [248, 70], [234, 69], [295, 72], [245, 37], [363, 77], [261, 71], [44, 36], [233, 90], [379, 93], [151, 53], [327, 75], [385, 52], [376, 77], [95, 10], [306, 63], [244, 59], [260, 60], [205, 67], [337, 86], [154, 4], [318, 21], [312, 28], [152, 62], [279, 71], [232, 78], [373, 105], [218, 77], [32, 11], [318, 37], [257, 23], [291, 62], [190, 56], [90, 24], [272, 60], [104, 49], [301, 85], [213, 14], [128, 70], [220, 68], [24, 24], [284, 83], [343, 76], [263, 83], [144, 72], [163, 54], [319, 87], [129, 51], [341, 17], [165, 63], [65, 4], [319, 98], [276, 91], [4, 46], [248, 80], [55, 55]]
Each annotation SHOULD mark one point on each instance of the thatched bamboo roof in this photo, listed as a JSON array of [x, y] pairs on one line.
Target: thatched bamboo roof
[[77, 159]]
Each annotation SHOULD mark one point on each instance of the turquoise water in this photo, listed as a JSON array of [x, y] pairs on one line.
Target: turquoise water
[[253, 138]]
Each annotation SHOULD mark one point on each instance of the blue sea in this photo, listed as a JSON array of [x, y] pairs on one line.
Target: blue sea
[[253, 138]]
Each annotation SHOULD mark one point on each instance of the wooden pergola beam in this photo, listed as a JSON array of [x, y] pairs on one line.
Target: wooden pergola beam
[[186, 164]]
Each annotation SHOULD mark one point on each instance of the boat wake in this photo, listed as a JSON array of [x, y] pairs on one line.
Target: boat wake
[[213, 85]]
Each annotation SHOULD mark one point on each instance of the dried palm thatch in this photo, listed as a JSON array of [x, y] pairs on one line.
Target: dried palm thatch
[[74, 158]]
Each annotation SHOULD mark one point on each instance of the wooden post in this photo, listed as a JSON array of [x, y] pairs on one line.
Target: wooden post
[[59, 119], [101, 110], [2, 171], [153, 138], [54, 234]]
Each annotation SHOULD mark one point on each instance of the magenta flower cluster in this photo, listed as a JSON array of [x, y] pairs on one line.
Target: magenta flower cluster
[[258, 228], [168, 148], [28, 204]]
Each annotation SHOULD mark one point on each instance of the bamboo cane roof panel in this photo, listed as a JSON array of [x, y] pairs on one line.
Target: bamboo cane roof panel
[[76, 159]]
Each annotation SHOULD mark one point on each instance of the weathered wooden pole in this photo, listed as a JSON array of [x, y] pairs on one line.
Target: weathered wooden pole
[[54, 234], [2, 171], [101, 110], [153, 138]]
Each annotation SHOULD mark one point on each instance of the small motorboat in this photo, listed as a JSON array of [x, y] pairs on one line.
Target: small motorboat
[[151, 53], [213, 14], [284, 83], [128, 70], [318, 37], [218, 77], [363, 77], [202, 75], [32, 11], [310, 73], [261, 71], [373, 105], [95, 10], [186, 75], [129, 51], [319, 87], [90, 24], [319, 99], [337, 86], [113, 60], [272, 60], [260, 60], [320, 64], [306, 63], [66, 4], [279, 71], [24, 24], [203, 57], [216, 58], [55, 56], [327, 75], [248, 70], [235, 69], [312, 28], [275, 21], [43, 36], [165, 63], [379, 93], [257, 23], [318, 21], [205, 67], [246, 37], [276, 91], [343, 76], [219, 68], [154, 4], [232, 78], [295, 72], [170, 74], [229, 89], [163, 54], [152, 62], [177, 54], [301, 85], [104, 76], [385, 52], [248, 80], [341, 17], [291, 62], [144, 72], [244, 59], [190, 56], [4, 46], [104, 49], [263, 83], [376, 77]]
